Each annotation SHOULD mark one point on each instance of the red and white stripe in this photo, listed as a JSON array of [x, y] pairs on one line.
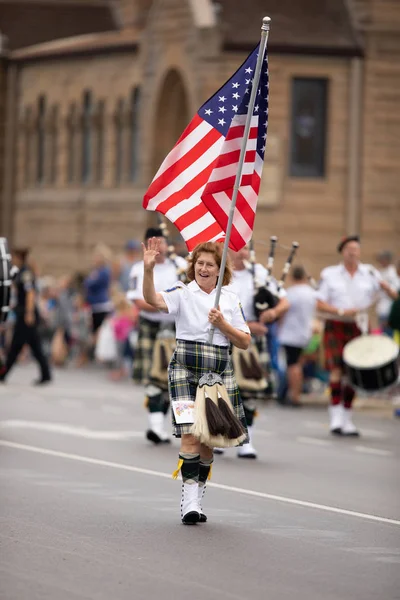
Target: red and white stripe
[[193, 187]]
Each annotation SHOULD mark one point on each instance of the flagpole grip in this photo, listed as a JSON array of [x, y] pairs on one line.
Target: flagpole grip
[[265, 28]]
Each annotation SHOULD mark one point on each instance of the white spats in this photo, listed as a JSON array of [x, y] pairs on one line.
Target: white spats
[[336, 418], [156, 433], [201, 491], [190, 506], [248, 450], [348, 427]]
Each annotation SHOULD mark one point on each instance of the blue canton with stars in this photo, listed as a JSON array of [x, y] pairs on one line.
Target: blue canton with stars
[[233, 99]]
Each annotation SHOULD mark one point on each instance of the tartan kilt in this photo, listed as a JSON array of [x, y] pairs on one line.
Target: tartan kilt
[[265, 363], [336, 335], [189, 362], [143, 358]]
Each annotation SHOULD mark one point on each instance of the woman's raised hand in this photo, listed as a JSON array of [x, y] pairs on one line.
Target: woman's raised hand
[[151, 252]]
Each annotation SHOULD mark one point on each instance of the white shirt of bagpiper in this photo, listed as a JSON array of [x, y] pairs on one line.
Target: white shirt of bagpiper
[[295, 328], [243, 285], [164, 277], [338, 288], [190, 307], [384, 304]]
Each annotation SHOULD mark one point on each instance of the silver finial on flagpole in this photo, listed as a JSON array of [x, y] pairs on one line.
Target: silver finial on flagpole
[[266, 23]]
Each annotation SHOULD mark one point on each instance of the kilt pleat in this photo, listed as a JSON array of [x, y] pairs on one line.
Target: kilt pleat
[[189, 362], [336, 335], [142, 362]]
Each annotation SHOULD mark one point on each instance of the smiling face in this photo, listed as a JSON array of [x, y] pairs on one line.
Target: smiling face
[[206, 271]]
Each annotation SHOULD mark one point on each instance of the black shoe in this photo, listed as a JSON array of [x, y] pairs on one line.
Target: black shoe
[[42, 381], [152, 436], [191, 518], [250, 455], [336, 431], [203, 518]]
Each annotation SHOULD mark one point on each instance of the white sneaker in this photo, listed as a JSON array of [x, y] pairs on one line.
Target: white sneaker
[[248, 450], [348, 426], [190, 507], [336, 418]]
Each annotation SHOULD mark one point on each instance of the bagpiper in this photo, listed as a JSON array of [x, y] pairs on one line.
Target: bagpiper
[[252, 367], [156, 335]]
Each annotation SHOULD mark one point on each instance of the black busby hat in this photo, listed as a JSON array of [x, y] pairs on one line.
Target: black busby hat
[[346, 240], [153, 232]]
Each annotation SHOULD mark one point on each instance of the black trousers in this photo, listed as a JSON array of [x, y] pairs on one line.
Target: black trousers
[[24, 334]]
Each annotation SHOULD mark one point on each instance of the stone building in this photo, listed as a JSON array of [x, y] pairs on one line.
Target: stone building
[[93, 116]]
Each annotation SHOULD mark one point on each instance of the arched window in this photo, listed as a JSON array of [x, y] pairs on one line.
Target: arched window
[[72, 125], [99, 123], [53, 143], [87, 137], [134, 133], [119, 140], [41, 139]]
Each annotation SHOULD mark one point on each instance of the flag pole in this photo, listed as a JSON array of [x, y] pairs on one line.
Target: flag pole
[[265, 28]]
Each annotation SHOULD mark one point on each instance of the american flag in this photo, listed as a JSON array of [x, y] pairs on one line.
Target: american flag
[[193, 187]]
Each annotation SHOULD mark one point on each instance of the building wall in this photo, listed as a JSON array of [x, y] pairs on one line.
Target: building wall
[[381, 144], [62, 222]]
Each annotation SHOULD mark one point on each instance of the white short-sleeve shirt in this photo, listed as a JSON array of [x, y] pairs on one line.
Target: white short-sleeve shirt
[[243, 285], [295, 328], [338, 288], [164, 277], [384, 304], [190, 306]]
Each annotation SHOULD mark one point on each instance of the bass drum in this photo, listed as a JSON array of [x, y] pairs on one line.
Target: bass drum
[[372, 362], [5, 279]]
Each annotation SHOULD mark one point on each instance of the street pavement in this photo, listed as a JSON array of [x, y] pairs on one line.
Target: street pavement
[[88, 508]]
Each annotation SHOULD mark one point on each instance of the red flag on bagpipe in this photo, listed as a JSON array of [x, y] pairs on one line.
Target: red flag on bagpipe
[[193, 187]]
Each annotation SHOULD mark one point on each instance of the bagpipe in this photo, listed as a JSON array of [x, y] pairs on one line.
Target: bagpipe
[[252, 369], [264, 296], [8, 273]]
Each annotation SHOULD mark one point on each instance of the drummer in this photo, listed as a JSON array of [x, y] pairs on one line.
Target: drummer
[[345, 293]]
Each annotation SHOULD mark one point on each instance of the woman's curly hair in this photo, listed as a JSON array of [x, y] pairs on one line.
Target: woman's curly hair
[[214, 248]]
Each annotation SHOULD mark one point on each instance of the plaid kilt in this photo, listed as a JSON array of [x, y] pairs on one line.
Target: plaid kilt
[[336, 336], [143, 358], [265, 363], [189, 362]]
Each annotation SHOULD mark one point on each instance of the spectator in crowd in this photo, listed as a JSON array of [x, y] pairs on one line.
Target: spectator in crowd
[[384, 302], [295, 329], [47, 307], [122, 269], [97, 285], [123, 322], [81, 327]]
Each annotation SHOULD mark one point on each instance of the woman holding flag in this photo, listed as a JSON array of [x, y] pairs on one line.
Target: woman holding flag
[[192, 306], [200, 188]]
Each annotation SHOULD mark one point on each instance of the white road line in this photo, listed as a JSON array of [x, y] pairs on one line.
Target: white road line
[[123, 467], [377, 451], [315, 441], [63, 429]]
